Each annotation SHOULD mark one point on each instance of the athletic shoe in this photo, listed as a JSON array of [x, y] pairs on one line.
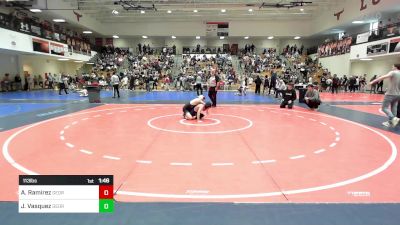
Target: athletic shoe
[[395, 121], [387, 124]]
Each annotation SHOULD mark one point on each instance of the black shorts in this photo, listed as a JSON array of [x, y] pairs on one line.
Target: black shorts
[[188, 108]]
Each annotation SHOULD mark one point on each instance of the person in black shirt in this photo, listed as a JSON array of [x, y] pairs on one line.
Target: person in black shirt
[[380, 86], [345, 83], [258, 83], [289, 96], [266, 83], [335, 84], [18, 82], [272, 84]]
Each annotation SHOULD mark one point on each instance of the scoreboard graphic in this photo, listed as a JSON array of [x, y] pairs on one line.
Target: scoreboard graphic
[[66, 194], [217, 29]]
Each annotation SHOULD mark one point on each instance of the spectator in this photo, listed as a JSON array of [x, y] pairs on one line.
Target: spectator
[[258, 83], [289, 96], [18, 82], [62, 83], [198, 85], [335, 84], [380, 86], [373, 85], [6, 83], [266, 83], [312, 97], [115, 84]]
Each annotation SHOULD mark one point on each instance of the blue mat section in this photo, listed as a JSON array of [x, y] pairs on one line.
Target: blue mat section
[[46, 95], [182, 97], [8, 109], [215, 214]]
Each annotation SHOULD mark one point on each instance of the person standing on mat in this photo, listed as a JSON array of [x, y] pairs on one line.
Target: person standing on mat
[[289, 96], [115, 84], [212, 88], [392, 95], [312, 97]]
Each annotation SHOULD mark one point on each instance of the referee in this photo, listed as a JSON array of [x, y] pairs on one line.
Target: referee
[[212, 88]]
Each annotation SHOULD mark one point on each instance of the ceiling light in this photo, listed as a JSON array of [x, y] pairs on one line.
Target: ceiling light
[[59, 20], [78, 61], [195, 10], [173, 37], [142, 11], [197, 37], [366, 59], [169, 11], [297, 37], [250, 10], [301, 9], [35, 10], [144, 37], [246, 37], [87, 32], [222, 38], [63, 59], [90, 63], [223, 10], [115, 12], [271, 37], [115, 36], [358, 22]]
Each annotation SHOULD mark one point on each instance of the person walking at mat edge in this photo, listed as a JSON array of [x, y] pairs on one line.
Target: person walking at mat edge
[[392, 95]]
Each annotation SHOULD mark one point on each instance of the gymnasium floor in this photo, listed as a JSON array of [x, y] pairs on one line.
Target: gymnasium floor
[[246, 153]]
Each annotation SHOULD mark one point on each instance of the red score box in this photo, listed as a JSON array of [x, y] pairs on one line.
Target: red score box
[[106, 191]]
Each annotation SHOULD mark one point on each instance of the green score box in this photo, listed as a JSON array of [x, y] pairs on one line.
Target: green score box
[[106, 205]]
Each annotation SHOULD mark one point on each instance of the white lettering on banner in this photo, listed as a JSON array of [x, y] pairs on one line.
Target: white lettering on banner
[[362, 7]]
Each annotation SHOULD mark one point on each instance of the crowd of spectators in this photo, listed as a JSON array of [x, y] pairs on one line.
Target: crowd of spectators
[[388, 29], [197, 69], [337, 47], [354, 83], [110, 58]]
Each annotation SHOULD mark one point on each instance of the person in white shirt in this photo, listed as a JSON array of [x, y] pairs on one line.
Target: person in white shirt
[[62, 80], [212, 88], [115, 84], [198, 85], [280, 86], [124, 81]]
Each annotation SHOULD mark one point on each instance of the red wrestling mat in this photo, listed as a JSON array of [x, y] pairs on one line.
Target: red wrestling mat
[[350, 97], [238, 154], [373, 109]]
